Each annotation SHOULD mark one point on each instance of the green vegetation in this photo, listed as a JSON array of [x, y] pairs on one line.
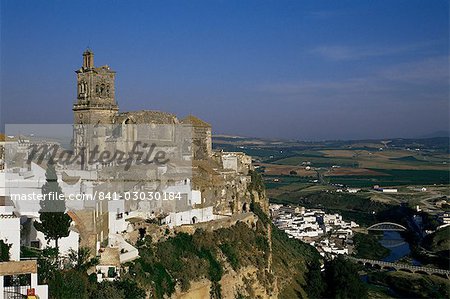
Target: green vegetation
[[438, 246], [54, 222], [185, 258], [316, 285], [293, 182], [29, 252], [81, 260], [407, 159], [364, 163], [394, 177], [294, 257], [67, 284], [47, 265], [439, 241], [412, 285], [72, 281], [291, 260], [381, 292], [255, 152], [4, 251], [368, 247], [356, 207], [317, 161], [343, 281], [256, 183]]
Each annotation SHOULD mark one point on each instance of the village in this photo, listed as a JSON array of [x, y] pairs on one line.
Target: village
[[328, 233], [109, 206]]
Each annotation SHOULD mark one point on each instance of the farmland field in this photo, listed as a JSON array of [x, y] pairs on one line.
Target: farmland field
[[398, 162]]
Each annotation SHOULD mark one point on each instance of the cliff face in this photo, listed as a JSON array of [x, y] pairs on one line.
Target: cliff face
[[281, 272], [256, 279], [229, 262], [289, 260], [244, 283], [244, 258]]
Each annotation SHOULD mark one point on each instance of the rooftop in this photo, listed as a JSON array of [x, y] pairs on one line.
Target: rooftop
[[195, 121]]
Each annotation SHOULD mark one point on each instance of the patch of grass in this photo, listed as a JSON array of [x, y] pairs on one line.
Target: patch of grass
[[395, 177], [318, 161]]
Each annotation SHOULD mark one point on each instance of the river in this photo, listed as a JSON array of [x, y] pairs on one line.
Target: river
[[398, 246]]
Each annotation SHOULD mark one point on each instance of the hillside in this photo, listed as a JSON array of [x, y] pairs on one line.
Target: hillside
[[439, 244], [291, 256], [246, 260], [235, 262], [173, 267], [439, 241]]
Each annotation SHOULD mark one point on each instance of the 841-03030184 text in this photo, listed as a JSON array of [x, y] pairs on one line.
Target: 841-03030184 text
[[138, 195], [99, 195]]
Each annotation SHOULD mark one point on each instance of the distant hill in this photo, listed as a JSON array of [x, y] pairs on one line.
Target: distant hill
[[231, 143], [408, 159], [436, 134]]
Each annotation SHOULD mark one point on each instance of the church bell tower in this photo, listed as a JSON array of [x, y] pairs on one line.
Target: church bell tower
[[95, 103], [95, 106]]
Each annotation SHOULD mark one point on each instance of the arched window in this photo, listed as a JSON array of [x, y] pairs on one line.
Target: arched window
[[102, 89]]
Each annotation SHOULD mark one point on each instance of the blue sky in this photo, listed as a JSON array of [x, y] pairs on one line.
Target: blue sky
[[287, 69]]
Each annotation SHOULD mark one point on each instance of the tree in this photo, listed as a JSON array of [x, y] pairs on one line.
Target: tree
[[107, 290], [54, 221], [316, 285], [47, 265], [69, 284], [4, 251], [81, 260], [130, 288], [343, 280]]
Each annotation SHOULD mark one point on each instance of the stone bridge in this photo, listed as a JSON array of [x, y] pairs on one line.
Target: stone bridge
[[402, 267]]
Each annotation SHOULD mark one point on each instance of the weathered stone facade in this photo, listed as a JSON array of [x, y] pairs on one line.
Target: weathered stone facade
[[201, 137], [96, 105], [96, 102], [221, 177]]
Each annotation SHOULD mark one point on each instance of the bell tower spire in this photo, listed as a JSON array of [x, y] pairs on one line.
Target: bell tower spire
[[95, 101], [88, 59]]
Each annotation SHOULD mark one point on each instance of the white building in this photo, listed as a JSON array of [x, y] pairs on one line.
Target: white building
[[65, 245], [312, 226], [10, 234], [190, 217], [445, 218], [10, 231], [389, 190]]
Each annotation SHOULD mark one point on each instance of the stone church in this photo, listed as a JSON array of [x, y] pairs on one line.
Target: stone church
[[221, 177], [96, 105]]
